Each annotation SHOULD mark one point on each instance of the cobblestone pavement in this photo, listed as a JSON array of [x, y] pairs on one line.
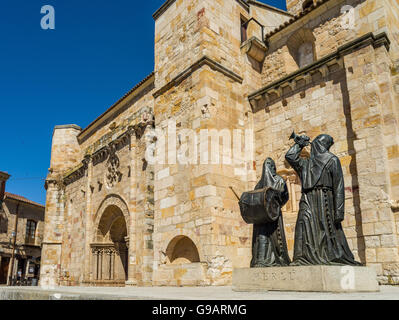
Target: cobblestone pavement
[[187, 293]]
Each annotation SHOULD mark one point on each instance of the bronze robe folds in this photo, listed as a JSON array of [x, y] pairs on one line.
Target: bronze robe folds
[[269, 247], [319, 238]]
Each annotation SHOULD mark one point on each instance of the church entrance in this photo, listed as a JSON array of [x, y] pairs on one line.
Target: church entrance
[[110, 250]]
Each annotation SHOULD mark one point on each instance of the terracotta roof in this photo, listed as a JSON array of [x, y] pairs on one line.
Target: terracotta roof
[[22, 199], [297, 17]]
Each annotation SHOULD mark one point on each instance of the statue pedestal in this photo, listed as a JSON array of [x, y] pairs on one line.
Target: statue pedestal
[[306, 279]]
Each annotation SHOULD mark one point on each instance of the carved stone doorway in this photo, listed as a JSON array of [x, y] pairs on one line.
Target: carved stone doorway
[[110, 250]]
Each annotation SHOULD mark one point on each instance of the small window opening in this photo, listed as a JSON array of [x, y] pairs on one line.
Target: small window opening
[[244, 30]]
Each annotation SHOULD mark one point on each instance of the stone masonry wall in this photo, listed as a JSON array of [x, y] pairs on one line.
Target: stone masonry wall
[[295, 6], [371, 100], [25, 213], [203, 77], [370, 222], [65, 152], [72, 208], [335, 105], [331, 29], [175, 35], [195, 200]]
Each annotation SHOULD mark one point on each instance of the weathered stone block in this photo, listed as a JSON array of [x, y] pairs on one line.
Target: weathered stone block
[[306, 279]]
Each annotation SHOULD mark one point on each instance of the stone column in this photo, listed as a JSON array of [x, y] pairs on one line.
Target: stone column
[[52, 237], [131, 241], [100, 264], [112, 271], [94, 260], [111, 262], [88, 223], [65, 154]]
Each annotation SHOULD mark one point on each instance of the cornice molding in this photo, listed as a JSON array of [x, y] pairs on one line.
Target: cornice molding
[[323, 65], [204, 61], [168, 3], [136, 93], [105, 152], [162, 9]]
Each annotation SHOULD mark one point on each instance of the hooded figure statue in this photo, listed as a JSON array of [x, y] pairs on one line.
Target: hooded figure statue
[[319, 237], [269, 247]]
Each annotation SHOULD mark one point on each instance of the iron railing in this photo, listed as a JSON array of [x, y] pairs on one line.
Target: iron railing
[[246, 23]]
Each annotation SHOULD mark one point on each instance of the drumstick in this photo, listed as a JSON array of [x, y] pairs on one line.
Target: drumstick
[[235, 193]]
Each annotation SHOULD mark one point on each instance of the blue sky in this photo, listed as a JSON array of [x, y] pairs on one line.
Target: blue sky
[[98, 51]]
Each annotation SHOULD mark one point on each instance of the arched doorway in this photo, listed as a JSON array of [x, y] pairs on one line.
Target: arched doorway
[[110, 250]]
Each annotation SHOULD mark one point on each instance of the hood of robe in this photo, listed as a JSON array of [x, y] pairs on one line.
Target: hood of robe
[[319, 158], [269, 176]]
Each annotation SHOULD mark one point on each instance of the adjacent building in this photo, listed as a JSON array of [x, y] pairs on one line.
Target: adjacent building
[[23, 220], [239, 69]]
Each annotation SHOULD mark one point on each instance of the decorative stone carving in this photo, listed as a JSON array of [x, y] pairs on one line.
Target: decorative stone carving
[[111, 200], [109, 152], [255, 48], [104, 261], [113, 175]]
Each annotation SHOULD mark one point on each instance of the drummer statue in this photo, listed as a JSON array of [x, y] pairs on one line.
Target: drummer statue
[[319, 237], [262, 208]]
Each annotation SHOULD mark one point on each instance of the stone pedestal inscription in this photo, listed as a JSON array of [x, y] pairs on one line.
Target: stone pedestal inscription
[[306, 279]]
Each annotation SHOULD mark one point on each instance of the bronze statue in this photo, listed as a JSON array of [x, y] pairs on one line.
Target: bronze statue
[[262, 208], [319, 237]]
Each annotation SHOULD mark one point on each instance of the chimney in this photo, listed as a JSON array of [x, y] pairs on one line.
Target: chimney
[[3, 179]]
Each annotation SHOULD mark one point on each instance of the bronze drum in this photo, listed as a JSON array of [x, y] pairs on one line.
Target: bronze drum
[[260, 206]]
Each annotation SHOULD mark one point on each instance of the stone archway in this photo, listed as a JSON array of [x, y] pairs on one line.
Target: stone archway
[[182, 250], [181, 262], [301, 46], [172, 239], [110, 244]]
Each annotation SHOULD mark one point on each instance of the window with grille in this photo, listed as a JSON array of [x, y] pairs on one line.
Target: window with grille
[[30, 232]]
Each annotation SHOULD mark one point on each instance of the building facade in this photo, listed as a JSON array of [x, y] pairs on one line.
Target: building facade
[[23, 220], [144, 194]]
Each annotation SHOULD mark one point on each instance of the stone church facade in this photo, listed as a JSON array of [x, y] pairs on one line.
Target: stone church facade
[[114, 218]]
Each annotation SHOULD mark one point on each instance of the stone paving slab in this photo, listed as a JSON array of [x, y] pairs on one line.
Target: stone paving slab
[[186, 293]]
